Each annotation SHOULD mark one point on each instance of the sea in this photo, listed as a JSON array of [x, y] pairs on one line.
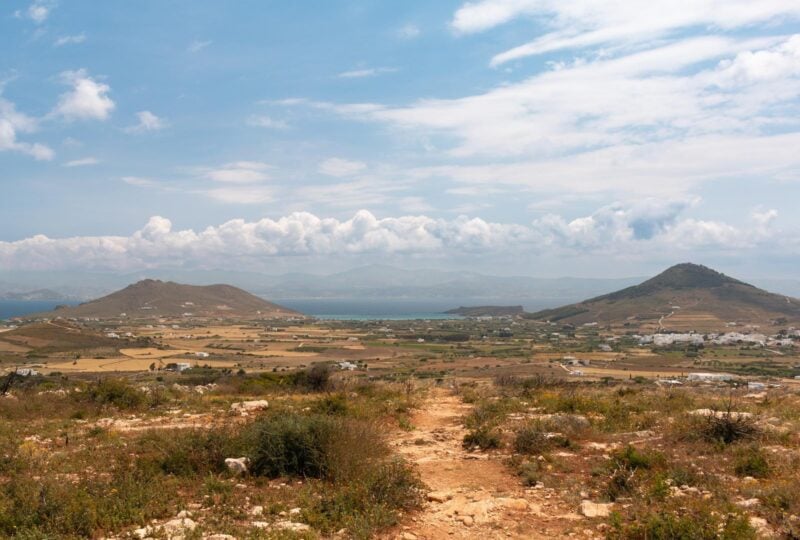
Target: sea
[[354, 309], [365, 309], [18, 308]]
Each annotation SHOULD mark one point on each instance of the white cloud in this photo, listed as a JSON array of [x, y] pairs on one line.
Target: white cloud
[[408, 31], [645, 228], [147, 122], [239, 172], [365, 72], [655, 121], [139, 181], [586, 23], [340, 167], [13, 122], [197, 46], [37, 12], [70, 40], [88, 99], [82, 162], [241, 194], [485, 14], [262, 120]]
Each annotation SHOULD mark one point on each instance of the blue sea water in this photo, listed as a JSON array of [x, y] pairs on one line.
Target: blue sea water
[[18, 308], [392, 308], [358, 309]]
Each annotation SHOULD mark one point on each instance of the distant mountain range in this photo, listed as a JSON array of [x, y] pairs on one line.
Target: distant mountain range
[[685, 296], [154, 298], [367, 282], [38, 294]]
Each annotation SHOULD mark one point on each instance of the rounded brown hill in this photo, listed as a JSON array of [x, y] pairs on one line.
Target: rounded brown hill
[[684, 297], [154, 298]]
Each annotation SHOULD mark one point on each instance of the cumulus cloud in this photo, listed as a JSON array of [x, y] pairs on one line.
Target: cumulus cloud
[[339, 167], [618, 228], [13, 122], [87, 100], [83, 162], [147, 122], [70, 40]]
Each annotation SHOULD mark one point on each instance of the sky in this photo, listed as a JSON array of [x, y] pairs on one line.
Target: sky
[[531, 137]]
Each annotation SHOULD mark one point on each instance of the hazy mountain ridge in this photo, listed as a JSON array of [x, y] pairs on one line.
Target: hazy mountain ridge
[[374, 281]]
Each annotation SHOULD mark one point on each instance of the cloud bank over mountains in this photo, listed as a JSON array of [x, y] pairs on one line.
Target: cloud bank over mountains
[[638, 229]]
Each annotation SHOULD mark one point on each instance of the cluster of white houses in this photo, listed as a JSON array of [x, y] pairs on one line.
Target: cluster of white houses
[[729, 338]]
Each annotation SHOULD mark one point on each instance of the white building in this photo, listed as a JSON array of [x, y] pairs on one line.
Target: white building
[[710, 377]]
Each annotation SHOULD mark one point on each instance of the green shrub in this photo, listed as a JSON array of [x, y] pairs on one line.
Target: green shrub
[[530, 472], [293, 445], [752, 461], [369, 501], [699, 524], [484, 438], [531, 439], [624, 467], [118, 393], [331, 405], [315, 379], [189, 452], [367, 488]]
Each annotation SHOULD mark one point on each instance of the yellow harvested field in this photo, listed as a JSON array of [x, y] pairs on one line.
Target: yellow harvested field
[[152, 353], [91, 365], [282, 353], [5, 346]]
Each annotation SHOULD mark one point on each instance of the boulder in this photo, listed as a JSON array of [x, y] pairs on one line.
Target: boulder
[[250, 406], [439, 496], [237, 465], [593, 510]]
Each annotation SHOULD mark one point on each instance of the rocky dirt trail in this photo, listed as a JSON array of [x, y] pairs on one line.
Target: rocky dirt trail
[[475, 495]]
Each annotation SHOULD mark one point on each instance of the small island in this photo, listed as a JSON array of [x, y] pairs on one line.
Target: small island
[[487, 311]]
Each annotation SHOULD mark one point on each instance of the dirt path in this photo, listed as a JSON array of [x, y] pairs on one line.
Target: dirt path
[[474, 495]]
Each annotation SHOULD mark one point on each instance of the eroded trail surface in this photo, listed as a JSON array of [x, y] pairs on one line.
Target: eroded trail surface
[[474, 495]]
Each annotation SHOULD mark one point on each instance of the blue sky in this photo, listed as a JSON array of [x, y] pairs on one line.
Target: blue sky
[[537, 137]]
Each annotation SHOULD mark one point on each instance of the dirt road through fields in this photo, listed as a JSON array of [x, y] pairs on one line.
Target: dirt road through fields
[[474, 495]]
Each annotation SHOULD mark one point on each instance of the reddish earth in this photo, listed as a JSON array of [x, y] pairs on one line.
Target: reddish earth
[[475, 495]]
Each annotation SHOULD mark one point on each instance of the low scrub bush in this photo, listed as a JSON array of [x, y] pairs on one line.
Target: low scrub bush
[[485, 438], [752, 461], [189, 452], [367, 486], [117, 393], [686, 524], [293, 445], [625, 467], [531, 439]]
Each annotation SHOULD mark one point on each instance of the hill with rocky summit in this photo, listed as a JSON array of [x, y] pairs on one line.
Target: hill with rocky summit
[[154, 298], [685, 296]]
